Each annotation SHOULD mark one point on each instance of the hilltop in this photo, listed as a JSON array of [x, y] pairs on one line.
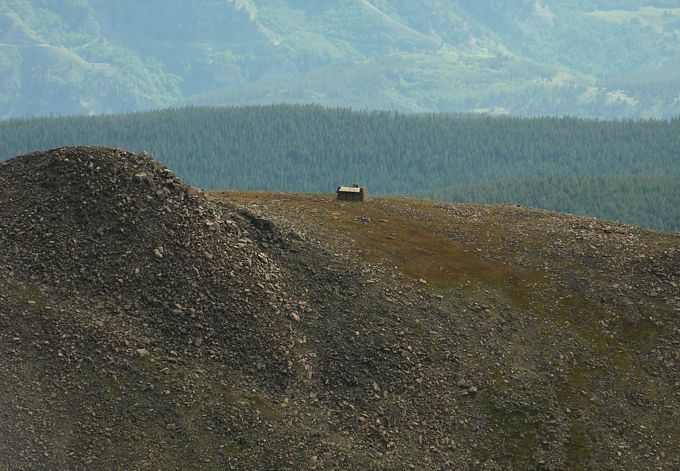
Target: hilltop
[[595, 58], [147, 324]]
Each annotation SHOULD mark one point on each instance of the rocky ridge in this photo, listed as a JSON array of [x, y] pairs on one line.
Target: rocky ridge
[[108, 260], [120, 228]]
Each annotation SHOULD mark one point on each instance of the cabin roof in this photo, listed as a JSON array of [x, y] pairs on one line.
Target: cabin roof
[[349, 189]]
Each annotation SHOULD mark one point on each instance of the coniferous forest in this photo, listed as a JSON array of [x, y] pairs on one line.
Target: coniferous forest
[[623, 170]]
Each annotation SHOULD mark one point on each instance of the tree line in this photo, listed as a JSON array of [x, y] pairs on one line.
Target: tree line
[[649, 201], [621, 169]]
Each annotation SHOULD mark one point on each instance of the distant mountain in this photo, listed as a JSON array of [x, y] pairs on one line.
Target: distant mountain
[[596, 58]]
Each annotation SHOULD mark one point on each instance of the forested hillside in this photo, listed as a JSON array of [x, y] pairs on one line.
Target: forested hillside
[[595, 58], [650, 201], [625, 170]]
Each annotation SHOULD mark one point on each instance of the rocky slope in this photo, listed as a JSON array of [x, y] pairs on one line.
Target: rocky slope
[[145, 324]]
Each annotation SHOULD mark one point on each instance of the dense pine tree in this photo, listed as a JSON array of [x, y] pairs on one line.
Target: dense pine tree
[[625, 170]]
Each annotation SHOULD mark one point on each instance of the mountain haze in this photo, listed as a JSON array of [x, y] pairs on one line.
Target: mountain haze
[[592, 58]]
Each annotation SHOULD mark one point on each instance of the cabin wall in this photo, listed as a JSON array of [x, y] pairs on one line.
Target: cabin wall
[[350, 196]]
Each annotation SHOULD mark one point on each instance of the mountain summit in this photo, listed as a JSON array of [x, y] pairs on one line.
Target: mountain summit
[[590, 58]]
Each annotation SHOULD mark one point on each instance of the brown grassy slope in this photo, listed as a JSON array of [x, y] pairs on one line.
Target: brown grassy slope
[[560, 319]]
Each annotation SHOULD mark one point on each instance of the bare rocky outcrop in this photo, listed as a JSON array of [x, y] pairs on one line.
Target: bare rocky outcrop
[[122, 229], [110, 260]]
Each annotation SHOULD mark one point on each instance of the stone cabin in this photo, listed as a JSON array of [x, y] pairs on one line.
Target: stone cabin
[[352, 193]]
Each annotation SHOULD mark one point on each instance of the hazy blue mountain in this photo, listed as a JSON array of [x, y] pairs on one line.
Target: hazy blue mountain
[[599, 58]]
